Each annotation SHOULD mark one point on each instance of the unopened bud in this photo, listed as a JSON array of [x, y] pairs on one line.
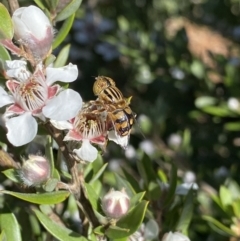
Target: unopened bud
[[33, 30], [115, 204], [35, 171], [176, 236]]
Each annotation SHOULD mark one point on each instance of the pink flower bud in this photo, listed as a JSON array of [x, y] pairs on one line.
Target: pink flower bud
[[33, 30], [115, 204], [35, 171], [176, 236]]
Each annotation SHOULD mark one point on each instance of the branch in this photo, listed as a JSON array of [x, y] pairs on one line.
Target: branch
[[13, 5], [77, 186]]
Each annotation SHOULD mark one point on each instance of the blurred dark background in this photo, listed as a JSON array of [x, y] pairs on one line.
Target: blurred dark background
[[179, 61]]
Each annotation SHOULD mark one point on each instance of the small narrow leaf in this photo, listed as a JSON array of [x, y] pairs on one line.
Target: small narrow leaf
[[4, 55], [63, 32], [3, 236], [236, 208], [219, 225], [10, 226], [203, 101], [93, 198], [123, 183], [134, 183], [41, 198], [172, 187], [99, 173], [225, 197], [49, 153], [136, 199], [187, 212], [232, 126], [146, 170], [40, 4], [62, 57], [59, 232], [6, 25], [12, 174], [220, 111], [70, 9]]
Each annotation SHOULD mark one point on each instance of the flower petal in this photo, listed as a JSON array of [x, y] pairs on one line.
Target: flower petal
[[21, 129], [5, 98], [65, 106], [62, 125], [29, 18], [65, 74], [18, 69], [86, 152], [120, 140]]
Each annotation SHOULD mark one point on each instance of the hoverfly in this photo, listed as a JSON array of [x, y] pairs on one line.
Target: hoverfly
[[111, 99]]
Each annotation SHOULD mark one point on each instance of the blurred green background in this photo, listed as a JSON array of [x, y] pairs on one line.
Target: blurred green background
[[179, 61]]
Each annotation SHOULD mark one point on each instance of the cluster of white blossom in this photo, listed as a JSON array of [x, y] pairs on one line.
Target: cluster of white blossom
[[32, 95]]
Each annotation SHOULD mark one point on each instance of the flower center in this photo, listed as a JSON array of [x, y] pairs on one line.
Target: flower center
[[89, 126], [32, 95]]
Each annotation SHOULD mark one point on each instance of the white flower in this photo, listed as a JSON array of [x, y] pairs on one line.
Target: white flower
[[176, 236], [233, 104], [184, 188], [33, 29], [33, 95], [174, 140], [87, 128]]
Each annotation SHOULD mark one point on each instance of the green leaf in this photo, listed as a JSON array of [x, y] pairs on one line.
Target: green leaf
[[4, 54], [123, 183], [3, 236], [133, 182], [49, 153], [154, 191], [225, 197], [12, 174], [52, 5], [136, 199], [172, 187], [218, 111], [236, 208], [69, 10], [10, 226], [232, 126], [222, 228], [93, 198], [62, 57], [59, 232], [63, 32], [100, 230], [204, 101], [187, 213], [40, 4], [197, 69], [99, 173], [6, 25], [50, 185], [129, 223], [49, 60], [146, 170], [41, 198]]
